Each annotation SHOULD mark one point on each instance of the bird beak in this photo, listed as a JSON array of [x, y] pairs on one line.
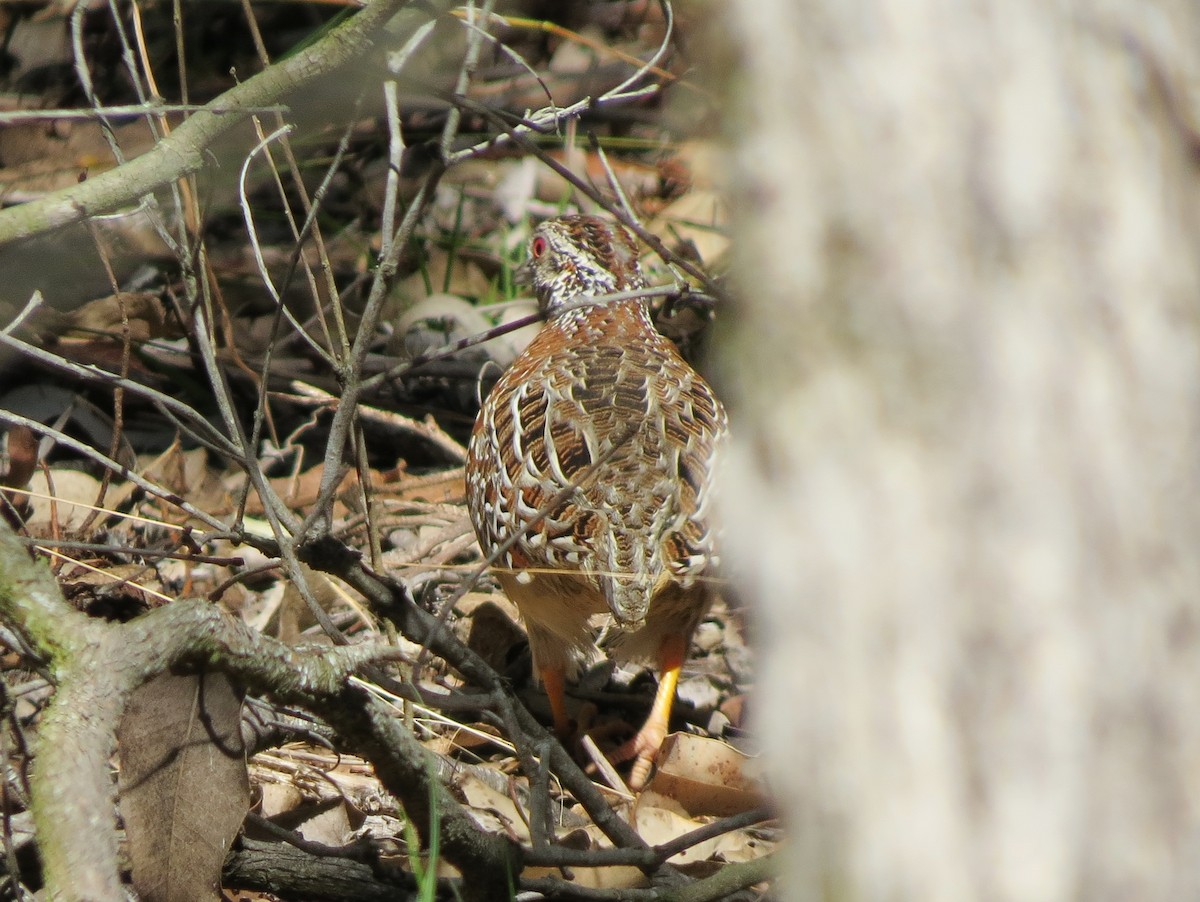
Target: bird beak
[[523, 274]]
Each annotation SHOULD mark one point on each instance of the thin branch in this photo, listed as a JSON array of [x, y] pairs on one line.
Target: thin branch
[[95, 374], [118, 111], [519, 135], [35, 301], [351, 369], [110, 464], [391, 600], [99, 664], [102, 548], [256, 248], [183, 152], [310, 396]]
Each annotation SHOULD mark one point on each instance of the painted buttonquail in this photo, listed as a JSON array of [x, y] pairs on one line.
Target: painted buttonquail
[[599, 442]]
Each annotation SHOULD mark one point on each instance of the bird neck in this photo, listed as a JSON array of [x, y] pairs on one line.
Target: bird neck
[[607, 322]]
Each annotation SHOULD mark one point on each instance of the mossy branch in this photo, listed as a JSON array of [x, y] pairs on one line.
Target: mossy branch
[[99, 664], [183, 152]]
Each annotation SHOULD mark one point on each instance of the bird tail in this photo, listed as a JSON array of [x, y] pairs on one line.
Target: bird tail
[[628, 599], [629, 596]]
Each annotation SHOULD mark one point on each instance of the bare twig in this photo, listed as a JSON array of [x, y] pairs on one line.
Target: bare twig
[[519, 135], [110, 464], [256, 247], [117, 111], [428, 431], [392, 600], [35, 301], [351, 367], [189, 417]]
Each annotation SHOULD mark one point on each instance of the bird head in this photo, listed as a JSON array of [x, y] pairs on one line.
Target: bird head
[[579, 256]]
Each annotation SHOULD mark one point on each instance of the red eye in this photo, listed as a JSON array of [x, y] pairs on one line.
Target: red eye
[[537, 247]]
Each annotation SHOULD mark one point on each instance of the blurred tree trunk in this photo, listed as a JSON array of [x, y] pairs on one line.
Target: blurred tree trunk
[[965, 379]]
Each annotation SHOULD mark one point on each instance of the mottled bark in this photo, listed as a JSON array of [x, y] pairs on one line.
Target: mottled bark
[[965, 382]]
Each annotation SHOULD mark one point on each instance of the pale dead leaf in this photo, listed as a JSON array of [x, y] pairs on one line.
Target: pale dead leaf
[[331, 593], [183, 784], [298, 492], [331, 822], [277, 798], [704, 776], [472, 601], [659, 825], [704, 162], [699, 218], [741, 845], [470, 737], [620, 877], [516, 342], [72, 499], [107, 316], [434, 321], [331, 825], [482, 801], [188, 474]]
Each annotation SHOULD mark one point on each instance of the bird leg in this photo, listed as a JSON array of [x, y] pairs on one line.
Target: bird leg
[[644, 747], [554, 678]]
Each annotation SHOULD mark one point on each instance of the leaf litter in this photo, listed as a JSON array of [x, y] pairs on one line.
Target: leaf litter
[[404, 511]]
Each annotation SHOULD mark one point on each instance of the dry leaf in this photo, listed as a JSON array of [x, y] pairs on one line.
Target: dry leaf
[[84, 584], [287, 615], [276, 798], [141, 310], [494, 631], [72, 499], [704, 776], [658, 826], [18, 460], [446, 487], [184, 789], [491, 809], [187, 474], [329, 822], [699, 218]]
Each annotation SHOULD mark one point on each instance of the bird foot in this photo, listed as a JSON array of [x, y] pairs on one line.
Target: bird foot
[[643, 749]]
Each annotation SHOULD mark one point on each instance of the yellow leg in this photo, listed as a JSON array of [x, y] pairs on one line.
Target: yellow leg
[[644, 747], [555, 680]]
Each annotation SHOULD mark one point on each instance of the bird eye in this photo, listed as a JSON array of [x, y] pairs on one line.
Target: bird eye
[[537, 247]]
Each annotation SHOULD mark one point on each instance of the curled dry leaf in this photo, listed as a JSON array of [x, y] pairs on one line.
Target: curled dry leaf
[[142, 310], [491, 809], [18, 456]]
